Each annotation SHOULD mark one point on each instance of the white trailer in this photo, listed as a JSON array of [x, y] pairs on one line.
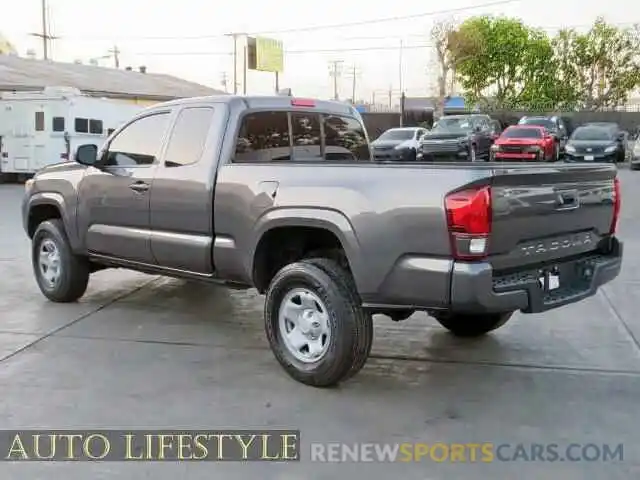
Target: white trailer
[[42, 128]]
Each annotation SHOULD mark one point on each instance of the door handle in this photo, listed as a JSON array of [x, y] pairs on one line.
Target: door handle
[[139, 187]]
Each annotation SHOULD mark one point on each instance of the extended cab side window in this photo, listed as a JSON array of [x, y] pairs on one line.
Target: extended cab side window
[[263, 137], [138, 144], [345, 139], [189, 136]]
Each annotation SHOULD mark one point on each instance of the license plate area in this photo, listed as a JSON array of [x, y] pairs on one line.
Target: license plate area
[[589, 158], [549, 279]]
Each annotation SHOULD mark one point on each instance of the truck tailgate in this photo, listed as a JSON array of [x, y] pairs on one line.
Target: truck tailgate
[[542, 214]]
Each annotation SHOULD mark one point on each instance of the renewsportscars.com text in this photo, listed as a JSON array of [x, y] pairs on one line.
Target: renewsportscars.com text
[[466, 452]]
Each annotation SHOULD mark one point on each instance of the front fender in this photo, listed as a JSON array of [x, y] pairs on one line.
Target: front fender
[[55, 200], [332, 220]]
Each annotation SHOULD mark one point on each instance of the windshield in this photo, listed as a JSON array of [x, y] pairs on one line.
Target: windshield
[[453, 123], [522, 133], [543, 122], [591, 133], [397, 135]]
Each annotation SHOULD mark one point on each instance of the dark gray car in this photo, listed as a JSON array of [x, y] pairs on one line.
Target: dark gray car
[[282, 194], [594, 143], [458, 137]]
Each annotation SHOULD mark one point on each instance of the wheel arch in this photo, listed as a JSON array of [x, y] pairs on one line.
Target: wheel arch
[[287, 226]]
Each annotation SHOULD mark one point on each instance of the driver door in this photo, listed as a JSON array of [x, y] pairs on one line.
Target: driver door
[[114, 196]]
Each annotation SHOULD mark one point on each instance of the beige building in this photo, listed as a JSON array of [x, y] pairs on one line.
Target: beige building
[[132, 86]]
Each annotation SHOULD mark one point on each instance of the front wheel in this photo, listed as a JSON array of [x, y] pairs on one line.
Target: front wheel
[[61, 275], [473, 325], [314, 323]]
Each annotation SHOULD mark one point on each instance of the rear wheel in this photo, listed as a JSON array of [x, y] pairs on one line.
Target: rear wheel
[[314, 323], [473, 325]]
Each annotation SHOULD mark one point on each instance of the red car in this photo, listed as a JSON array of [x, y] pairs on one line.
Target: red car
[[524, 142]]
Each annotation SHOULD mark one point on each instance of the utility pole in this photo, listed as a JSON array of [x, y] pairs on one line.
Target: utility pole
[[400, 67], [390, 97], [353, 85], [115, 51], [335, 71], [45, 31], [224, 81], [234, 37], [44, 34]]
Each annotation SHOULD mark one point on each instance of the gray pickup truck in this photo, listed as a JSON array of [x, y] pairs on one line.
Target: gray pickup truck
[[282, 194]]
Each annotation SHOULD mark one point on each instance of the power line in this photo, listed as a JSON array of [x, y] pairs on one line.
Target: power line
[[309, 28], [291, 52]]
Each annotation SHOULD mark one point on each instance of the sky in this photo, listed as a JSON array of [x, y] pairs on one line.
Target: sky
[[187, 38]]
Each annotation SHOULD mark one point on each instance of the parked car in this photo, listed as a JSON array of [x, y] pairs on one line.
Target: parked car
[[635, 156], [556, 127], [525, 142], [398, 144], [281, 194], [622, 136], [593, 143], [458, 137]]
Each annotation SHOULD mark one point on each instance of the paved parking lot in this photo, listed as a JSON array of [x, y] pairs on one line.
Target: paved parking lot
[[147, 352]]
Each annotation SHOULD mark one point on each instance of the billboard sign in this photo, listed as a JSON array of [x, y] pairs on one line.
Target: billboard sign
[[265, 54]]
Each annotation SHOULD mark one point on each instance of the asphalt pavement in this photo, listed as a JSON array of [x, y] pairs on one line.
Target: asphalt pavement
[[141, 351]]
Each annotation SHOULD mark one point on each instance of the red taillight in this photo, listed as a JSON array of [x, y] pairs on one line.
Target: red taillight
[[617, 203], [469, 222], [303, 102]]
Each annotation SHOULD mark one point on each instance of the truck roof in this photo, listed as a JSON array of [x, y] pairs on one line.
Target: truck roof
[[268, 101]]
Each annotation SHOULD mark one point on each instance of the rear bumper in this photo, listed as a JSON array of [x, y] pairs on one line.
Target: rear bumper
[[439, 284], [601, 157]]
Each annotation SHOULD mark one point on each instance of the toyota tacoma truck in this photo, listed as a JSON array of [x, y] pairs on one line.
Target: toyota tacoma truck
[[283, 195]]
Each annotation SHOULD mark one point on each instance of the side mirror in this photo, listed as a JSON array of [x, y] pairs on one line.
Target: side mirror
[[87, 154]]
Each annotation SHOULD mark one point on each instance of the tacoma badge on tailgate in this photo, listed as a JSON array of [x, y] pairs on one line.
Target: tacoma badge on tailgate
[[572, 241]]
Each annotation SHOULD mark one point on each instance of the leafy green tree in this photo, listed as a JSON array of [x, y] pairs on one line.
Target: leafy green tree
[[602, 65], [506, 64]]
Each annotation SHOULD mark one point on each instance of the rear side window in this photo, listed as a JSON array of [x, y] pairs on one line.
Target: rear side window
[[263, 137], [305, 131], [57, 124], [189, 136], [345, 139]]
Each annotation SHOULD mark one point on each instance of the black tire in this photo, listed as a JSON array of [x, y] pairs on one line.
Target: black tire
[[365, 324], [473, 325], [351, 329], [74, 270]]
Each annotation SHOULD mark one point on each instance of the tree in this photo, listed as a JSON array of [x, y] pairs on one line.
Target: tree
[[603, 65], [507, 63], [449, 44]]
